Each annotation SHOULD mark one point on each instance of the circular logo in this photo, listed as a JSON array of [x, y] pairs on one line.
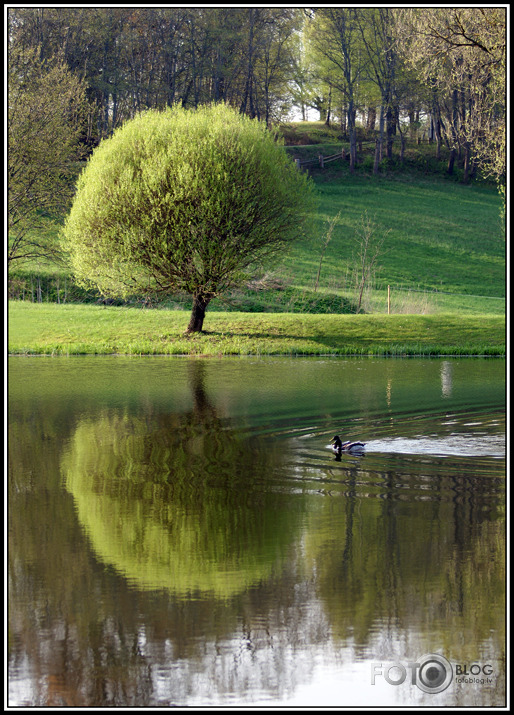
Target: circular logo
[[434, 673]]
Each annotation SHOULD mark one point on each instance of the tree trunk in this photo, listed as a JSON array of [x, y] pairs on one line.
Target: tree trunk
[[402, 147], [248, 93], [329, 109], [390, 125], [377, 156], [381, 132], [467, 164], [371, 119], [352, 135], [200, 303], [455, 117], [451, 161], [343, 123]]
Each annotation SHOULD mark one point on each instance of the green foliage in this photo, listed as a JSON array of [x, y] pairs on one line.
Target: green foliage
[[184, 201], [46, 108], [180, 531], [443, 235]]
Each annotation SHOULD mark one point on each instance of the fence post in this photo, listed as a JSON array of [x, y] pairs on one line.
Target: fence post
[[388, 300], [297, 163], [321, 160]]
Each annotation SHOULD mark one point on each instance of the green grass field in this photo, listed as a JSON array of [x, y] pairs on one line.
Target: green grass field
[[443, 256], [53, 329], [442, 238]]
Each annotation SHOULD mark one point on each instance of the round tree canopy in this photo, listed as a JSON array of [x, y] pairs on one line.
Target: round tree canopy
[[184, 200]]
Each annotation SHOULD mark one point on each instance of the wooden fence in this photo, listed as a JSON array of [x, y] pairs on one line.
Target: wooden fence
[[322, 160]]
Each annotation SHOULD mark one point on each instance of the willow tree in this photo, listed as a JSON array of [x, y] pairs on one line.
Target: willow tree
[[184, 201]]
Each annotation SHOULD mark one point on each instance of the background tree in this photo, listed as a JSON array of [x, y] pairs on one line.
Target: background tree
[[300, 85], [44, 123], [186, 201], [440, 68], [132, 59], [334, 35], [375, 27], [278, 52], [461, 53]]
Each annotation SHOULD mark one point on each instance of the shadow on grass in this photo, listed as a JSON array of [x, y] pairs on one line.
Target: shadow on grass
[[328, 341], [336, 344]]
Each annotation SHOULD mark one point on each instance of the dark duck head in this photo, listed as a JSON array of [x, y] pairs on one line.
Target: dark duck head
[[339, 446]]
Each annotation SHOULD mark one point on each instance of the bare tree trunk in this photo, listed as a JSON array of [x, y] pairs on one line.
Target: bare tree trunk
[[329, 109], [343, 122], [451, 161], [248, 94], [390, 126], [371, 119], [467, 164], [200, 303], [402, 147], [352, 135], [455, 114], [381, 132], [377, 156]]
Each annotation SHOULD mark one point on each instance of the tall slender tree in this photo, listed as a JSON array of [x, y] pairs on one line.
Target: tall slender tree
[[334, 35], [44, 123]]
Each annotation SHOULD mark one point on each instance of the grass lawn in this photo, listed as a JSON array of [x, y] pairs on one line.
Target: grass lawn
[[443, 236], [52, 329]]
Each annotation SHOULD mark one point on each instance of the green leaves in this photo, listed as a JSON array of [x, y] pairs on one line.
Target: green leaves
[[46, 106], [184, 200]]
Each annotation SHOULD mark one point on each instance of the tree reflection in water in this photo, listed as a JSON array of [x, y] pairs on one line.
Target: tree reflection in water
[[190, 559], [175, 501]]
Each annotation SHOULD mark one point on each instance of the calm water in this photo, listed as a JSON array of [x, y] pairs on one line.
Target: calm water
[[180, 534]]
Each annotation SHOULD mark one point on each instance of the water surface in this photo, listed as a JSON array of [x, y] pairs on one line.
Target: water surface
[[180, 532]]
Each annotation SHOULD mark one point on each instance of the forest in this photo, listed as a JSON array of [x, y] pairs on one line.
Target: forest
[[77, 74]]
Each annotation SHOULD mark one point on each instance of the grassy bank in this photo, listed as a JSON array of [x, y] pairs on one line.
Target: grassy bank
[[86, 329]]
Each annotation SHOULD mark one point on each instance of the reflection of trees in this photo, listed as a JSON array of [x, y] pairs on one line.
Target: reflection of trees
[[92, 637], [432, 561], [378, 558], [172, 502]]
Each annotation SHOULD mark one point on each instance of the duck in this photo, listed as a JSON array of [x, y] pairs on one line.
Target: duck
[[338, 446]]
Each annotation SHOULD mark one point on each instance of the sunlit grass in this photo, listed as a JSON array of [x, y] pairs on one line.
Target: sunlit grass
[[443, 236], [86, 329]]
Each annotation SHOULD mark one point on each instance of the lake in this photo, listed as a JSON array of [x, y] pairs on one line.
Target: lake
[[180, 532]]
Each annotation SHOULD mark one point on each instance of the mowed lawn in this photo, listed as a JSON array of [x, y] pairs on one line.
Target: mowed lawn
[[51, 329]]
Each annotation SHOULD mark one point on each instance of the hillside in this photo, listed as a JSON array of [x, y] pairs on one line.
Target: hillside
[[443, 241]]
